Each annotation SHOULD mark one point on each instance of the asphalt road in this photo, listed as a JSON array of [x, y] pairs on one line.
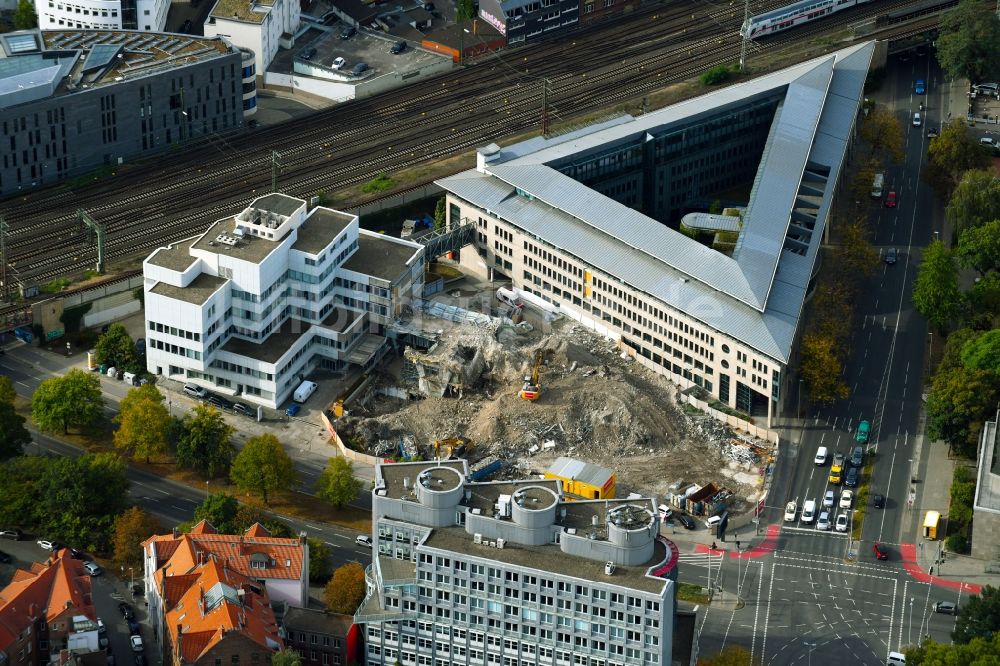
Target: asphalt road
[[821, 592]]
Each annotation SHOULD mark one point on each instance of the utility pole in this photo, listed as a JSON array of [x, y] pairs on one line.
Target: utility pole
[[4, 288], [275, 167], [94, 227], [546, 90], [744, 38]]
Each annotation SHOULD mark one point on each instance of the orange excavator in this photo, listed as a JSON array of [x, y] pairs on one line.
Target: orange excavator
[[532, 388]]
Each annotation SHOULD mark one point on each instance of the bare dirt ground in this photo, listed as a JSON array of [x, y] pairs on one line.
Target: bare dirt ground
[[595, 405]]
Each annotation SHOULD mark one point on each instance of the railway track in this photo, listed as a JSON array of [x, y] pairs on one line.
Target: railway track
[[177, 194]]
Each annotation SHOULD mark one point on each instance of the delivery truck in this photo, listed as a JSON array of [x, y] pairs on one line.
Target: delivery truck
[[304, 390]]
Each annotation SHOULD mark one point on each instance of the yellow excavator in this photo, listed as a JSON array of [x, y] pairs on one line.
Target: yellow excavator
[[532, 388], [453, 446]]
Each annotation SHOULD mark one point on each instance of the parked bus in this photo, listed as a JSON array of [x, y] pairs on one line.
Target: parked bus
[[931, 520]]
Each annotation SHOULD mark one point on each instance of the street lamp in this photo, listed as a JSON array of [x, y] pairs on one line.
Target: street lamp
[[909, 631], [811, 646]]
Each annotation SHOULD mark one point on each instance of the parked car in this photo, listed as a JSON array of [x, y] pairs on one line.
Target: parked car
[[76, 554], [307, 54], [359, 69], [348, 32], [890, 200], [4, 558], [195, 391], [240, 408], [363, 540], [45, 544], [398, 47], [878, 501], [790, 510], [846, 499], [136, 642], [293, 409], [338, 63], [879, 552], [220, 402], [12, 533], [841, 525], [126, 610], [931, 132], [946, 607], [92, 568], [686, 521], [101, 627], [824, 521], [666, 513]]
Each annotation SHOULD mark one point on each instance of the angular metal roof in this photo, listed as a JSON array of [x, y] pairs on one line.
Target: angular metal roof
[[755, 296]]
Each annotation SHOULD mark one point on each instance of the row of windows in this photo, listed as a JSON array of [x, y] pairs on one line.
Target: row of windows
[[178, 332], [665, 362], [174, 349]]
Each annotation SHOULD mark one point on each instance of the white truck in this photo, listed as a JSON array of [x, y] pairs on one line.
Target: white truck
[[304, 390]]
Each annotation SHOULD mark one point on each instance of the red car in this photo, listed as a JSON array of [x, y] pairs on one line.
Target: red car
[[890, 201], [880, 553]]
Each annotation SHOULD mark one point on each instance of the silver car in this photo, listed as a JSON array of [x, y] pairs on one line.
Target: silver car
[[824, 521]]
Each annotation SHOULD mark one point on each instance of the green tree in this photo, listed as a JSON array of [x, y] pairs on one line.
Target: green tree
[[143, 423], [935, 292], [71, 400], [205, 444], [286, 657], [441, 213], [248, 514], [116, 348], [262, 466], [220, 510], [7, 393], [18, 480], [962, 494], [983, 352], [131, 529], [320, 561], [734, 655], [24, 15], [976, 199], [968, 45], [465, 10], [882, 131], [337, 484], [977, 652], [980, 617], [984, 301], [959, 402], [346, 589], [979, 247], [950, 155], [13, 435], [953, 347]]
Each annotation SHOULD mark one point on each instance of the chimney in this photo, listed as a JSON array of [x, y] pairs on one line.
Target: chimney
[[302, 538], [175, 532]]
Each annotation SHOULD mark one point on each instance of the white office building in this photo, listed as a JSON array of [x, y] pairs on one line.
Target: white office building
[[259, 300], [578, 223], [508, 573], [146, 15], [261, 26]]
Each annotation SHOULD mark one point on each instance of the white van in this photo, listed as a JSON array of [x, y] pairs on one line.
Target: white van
[[896, 659], [510, 297], [304, 390], [809, 511], [878, 184], [712, 522]]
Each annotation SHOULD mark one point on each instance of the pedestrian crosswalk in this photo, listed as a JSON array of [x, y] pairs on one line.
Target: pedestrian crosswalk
[[702, 559]]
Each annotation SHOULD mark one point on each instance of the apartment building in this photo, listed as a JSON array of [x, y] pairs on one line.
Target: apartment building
[[322, 638], [264, 297], [509, 573], [72, 101], [581, 224], [145, 15], [260, 26]]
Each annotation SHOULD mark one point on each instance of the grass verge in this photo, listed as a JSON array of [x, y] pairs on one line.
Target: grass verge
[[692, 593]]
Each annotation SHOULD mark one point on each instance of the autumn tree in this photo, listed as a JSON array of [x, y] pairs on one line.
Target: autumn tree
[[13, 435], [980, 617], [71, 400], [143, 422], [131, 529], [262, 466], [7, 393], [855, 253], [346, 589], [337, 484], [821, 368], [116, 348], [286, 657], [950, 155], [975, 200], [882, 131], [935, 292], [959, 402], [864, 178], [968, 45], [205, 443]]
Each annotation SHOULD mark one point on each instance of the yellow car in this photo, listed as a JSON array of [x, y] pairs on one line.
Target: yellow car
[[835, 474]]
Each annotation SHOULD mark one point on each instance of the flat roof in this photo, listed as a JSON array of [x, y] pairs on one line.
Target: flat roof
[[273, 347], [397, 476], [552, 559], [251, 11], [199, 291], [176, 257], [320, 229], [988, 486], [247, 248], [381, 257], [340, 318]]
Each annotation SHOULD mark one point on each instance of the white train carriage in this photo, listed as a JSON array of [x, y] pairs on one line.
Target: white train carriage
[[793, 15]]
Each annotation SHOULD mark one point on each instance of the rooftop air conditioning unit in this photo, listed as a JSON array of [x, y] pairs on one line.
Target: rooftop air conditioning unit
[[501, 543], [477, 538]]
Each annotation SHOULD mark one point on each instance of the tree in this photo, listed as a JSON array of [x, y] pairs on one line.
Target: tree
[[286, 657], [117, 348], [346, 589], [960, 401], [73, 399], [962, 494], [248, 514], [935, 292], [220, 510], [143, 423], [968, 46], [861, 184], [855, 254], [821, 368], [7, 393], [320, 561], [715, 75], [13, 435], [441, 214], [977, 652], [950, 155], [262, 466], [131, 529], [984, 301], [882, 131], [24, 15], [979, 247], [205, 444], [337, 484], [980, 617], [983, 352], [976, 199], [734, 655], [465, 10], [953, 346]]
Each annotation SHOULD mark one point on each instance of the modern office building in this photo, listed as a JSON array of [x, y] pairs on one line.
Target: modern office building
[[260, 26], [72, 101], [523, 21], [986, 508], [263, 297], [581, 223], [144, 15], [509, 573]]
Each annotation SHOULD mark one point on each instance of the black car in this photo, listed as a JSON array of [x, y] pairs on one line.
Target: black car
[[891, 256], [360, 69], [4, 557], [77, 554], [133, 628], [220, 402], [857, 456], [398, 47], [348, 32], [851, 480], [240, 408], [126, 611], [686, 521], [878, 501], [12, 533], [308, 53]]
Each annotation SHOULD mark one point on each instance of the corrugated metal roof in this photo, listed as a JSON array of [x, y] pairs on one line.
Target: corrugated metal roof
[[571, 468]]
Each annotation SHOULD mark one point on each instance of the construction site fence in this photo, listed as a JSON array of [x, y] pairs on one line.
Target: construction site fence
[[344, 451], [734, 422]]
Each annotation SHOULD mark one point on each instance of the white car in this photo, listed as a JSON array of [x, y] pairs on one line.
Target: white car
[[821, 454], [828, 499], [846, 499], [363, 540], [44, 544], [790, 509], [92, 568], [824, 521], [917, 120], [136, 642], [841, 525], [338, 63]]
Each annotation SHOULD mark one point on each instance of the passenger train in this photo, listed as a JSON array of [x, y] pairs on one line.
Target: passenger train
[[792, 15]]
